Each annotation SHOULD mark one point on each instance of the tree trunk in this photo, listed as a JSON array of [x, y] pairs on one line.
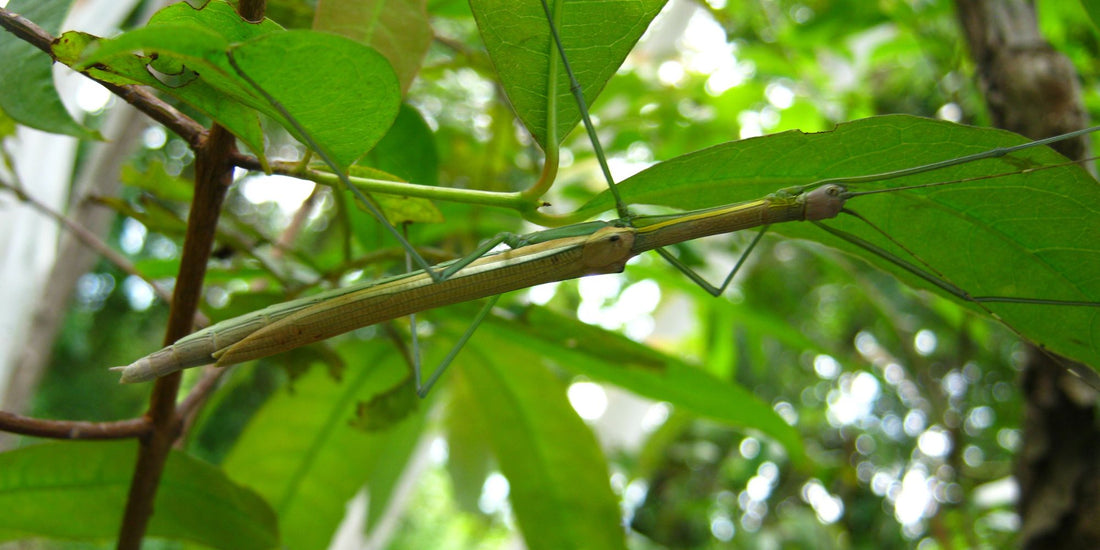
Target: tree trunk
[[1032, 89]]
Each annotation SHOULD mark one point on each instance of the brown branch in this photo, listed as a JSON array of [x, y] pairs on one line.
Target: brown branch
[[252, 10], [156, 109], [26, 30], [213, 175], [68, 429]]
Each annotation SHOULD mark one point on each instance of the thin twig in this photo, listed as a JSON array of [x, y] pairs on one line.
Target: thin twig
[[69, 429], [90, 240], [213, 175], [198, 394], [189, 408]]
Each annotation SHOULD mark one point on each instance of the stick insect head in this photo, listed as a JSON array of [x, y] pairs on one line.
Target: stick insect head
[[824, 202], [607, 250]]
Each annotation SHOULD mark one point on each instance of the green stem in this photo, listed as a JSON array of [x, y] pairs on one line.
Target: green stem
[[546, 179], [554, 220], [514, 201]]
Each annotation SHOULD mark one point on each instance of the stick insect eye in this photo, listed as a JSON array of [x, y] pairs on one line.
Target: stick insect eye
[[608, 249]]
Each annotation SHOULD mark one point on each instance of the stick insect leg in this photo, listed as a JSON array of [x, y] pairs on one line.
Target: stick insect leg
[[510, 239], [930, 275], [933, 277], [423, 387], [582, 105], [620, 207], [698, 279]]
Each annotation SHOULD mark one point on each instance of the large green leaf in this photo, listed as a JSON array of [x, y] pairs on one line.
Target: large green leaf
[[613, 358], [1093, 9], [26, 78], [302, 452], [398, 29], [558, 480], [1023, 235], [597, 36], [77, 490], [407, 150]]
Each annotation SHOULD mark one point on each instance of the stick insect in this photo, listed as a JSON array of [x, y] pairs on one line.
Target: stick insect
[[567, 252]]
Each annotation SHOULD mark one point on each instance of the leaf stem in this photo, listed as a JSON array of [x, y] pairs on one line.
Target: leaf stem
[[514, 201]]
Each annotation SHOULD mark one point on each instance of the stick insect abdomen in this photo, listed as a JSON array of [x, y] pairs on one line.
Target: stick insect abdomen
[[605, 251], [200, 347]]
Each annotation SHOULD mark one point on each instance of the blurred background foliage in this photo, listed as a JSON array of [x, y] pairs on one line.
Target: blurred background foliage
[[908, 407]]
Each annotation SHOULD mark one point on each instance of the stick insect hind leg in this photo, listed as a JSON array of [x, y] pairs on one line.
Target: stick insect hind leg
[[412, 256], [512, 241]]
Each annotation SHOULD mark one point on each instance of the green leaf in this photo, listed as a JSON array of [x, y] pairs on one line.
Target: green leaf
[[407, 150], [26, 78], [344, 94], [7, 125], [398, 209], [597, 36], [398, 29], [384, 472], [469, 456], [303, 454], [192, 45], [558, 479], [77, 490], [1023, 235], [189, 46], [613, 358], [1093, 9], [217, 16]]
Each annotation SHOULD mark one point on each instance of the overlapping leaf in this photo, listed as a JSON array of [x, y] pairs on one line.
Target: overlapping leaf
[[558, 480], [613, 358], [398, 29], [323, 81]]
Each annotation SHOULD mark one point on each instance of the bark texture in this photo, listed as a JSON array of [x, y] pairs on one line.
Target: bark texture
[[1033, 90]]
